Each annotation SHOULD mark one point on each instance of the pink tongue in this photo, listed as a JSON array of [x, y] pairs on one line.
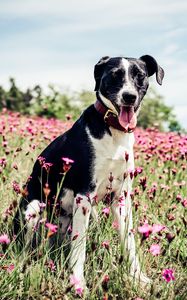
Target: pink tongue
[[127, 118]]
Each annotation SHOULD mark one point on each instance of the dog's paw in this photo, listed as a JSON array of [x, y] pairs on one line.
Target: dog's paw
[[144, 280], [138, 275], [79, 285], [141, 278]]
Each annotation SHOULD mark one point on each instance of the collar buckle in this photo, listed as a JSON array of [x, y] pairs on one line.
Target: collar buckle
[[108, 112]]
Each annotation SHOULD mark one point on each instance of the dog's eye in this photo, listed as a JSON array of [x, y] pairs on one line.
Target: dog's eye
[[140, 76], [140, 79], [116, 77], [113, 78], [119, 74]]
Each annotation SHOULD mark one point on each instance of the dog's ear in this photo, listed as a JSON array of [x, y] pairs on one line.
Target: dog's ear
[[98, 71], [153, 67]]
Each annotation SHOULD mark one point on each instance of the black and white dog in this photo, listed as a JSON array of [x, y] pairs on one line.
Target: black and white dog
[[99, 143]]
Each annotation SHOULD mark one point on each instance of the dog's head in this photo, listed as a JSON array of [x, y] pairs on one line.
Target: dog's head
[[121, 83]]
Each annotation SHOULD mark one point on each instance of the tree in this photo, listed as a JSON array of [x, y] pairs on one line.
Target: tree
[[154, 112], [58, 104]]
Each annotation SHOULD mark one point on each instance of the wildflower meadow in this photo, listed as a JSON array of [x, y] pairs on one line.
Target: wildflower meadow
[[159, 200]]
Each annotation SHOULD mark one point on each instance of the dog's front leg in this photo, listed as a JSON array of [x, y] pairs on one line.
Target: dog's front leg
[[122, 212], [81, 214]]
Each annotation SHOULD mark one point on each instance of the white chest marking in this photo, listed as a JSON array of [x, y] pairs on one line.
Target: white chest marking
[[110, 158], [129, 85]]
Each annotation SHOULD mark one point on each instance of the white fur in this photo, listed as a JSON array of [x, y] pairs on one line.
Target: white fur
[[128, 87], [32, 217], [109, 158], [129, 84], [108, 103], [78, 244], [67, 201]]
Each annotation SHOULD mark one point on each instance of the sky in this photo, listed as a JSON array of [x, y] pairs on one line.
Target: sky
[[59, 42]]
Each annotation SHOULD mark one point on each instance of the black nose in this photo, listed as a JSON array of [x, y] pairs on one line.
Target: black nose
[[128, 98]]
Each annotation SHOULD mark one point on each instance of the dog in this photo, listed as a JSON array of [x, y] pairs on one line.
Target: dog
[[97, 149]]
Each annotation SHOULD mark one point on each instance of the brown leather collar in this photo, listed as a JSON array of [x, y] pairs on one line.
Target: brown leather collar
[[110, 118]]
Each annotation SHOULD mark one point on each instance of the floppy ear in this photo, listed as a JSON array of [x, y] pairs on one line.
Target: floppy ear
[[98, 71], [153, 67]]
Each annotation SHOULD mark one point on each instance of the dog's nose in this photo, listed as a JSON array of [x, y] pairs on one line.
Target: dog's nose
[[128, 98]]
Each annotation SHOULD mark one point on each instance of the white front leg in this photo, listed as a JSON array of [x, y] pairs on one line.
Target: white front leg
[[122, 212], [81, 214]]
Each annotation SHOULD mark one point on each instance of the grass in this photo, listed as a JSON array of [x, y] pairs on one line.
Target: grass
[[158, 198]]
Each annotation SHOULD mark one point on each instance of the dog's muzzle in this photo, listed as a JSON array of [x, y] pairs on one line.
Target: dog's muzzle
[[121, 121]]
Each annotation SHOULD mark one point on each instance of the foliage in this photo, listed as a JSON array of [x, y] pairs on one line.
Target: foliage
[[35, 102], [158, 198], [59, 104], [155, 112]]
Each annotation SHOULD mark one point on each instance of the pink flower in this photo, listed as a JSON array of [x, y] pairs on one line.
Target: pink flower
[[157, 228], [15, 166], [53, 228], [74, 280], [145, 229], [106, 211], [10, 268], [67, 160], [67, 163], [131, 174], [50, 264], [106, 278], [16, 187], [47, 166], [3, 162], [115, 225], [164, 187], [138, 170], [75, 236], [4, 239], [126, 156], [143, 182], [155, 249], [78, 200], [184, 202], [105, 244], [111, 177], [122, 201], [42, 205], [179, 198], [79, 290], [69, 230], [76, 283], [41, 160], [167, 275]]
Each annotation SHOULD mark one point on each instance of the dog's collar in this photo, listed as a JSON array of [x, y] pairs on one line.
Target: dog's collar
[[110, 118]]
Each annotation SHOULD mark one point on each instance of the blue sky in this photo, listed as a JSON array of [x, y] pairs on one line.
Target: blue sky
[[59, 41]]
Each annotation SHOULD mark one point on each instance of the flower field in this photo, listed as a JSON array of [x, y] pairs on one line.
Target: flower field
[[160, 221]]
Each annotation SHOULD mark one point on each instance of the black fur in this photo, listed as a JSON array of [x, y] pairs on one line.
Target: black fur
[[110, 78], [75, 143]]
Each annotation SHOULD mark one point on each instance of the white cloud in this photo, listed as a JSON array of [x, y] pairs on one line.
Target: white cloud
[[21, 7], [68, 37], [170, 49]]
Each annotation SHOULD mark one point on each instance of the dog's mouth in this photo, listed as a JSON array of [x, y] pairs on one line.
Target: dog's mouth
[[127, 117]]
